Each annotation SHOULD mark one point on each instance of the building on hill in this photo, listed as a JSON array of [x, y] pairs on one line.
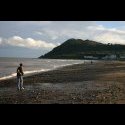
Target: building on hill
[[110, 57], [90, 57], [122, 57]]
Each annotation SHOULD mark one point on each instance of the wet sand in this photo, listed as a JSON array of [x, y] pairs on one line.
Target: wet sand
[[98, 83]]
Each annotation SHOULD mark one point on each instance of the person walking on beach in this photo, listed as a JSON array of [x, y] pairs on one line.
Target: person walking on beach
[[20, 77]]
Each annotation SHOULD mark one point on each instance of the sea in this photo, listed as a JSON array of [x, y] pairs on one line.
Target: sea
[[8, 66]]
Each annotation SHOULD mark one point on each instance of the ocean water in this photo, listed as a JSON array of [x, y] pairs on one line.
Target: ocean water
[[8, 66]]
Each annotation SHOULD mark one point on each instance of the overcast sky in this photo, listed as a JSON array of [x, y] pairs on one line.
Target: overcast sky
[[35, 38]]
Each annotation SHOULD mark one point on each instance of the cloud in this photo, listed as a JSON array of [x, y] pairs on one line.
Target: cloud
[[27, 43], [107, 35], [109, 38], [59, 31], [102, 28], [39, 33], [61, 34], [64, 29]]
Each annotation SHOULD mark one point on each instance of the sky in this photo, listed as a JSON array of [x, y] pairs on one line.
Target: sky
[[35, 38]]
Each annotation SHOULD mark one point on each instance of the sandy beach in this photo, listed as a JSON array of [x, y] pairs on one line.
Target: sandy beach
[[102, 82]]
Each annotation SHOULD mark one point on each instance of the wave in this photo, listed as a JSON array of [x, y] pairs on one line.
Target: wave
[[35, 71], [25, 72]]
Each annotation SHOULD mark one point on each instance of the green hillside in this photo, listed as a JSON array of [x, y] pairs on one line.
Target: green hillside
[[78, 49]]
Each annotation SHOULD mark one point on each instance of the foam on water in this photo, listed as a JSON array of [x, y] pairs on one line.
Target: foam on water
[[25, 72], [8, 66], [35, 71]]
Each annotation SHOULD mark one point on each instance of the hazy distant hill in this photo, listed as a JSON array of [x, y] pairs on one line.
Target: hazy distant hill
[[78, 48]]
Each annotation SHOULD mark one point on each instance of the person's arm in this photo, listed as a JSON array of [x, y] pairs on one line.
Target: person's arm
[[17, 70]]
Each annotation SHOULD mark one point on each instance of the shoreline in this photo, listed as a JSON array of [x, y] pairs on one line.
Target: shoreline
[[34, 72], [97, 83]]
